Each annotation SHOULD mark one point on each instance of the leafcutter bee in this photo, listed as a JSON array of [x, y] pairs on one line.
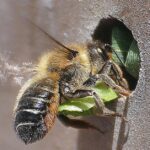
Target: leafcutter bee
[[67, 72]]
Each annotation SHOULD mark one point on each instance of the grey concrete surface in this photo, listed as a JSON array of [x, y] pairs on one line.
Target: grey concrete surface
[[72, 22]]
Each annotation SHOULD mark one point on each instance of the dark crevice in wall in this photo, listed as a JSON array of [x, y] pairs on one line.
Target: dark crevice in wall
[[103, 33]]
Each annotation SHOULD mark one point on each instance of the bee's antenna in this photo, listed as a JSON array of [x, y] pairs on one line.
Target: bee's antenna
[[109, 46], [118, 57], [73, 52]]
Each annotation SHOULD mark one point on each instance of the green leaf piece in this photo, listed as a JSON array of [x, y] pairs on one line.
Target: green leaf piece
[[127, 50], [133, 60], [86, 106], [105, 92], [77, 107], [121, 41]]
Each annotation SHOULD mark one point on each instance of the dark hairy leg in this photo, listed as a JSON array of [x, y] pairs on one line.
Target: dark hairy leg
[[103, 76], [101, 109], [84, 93]]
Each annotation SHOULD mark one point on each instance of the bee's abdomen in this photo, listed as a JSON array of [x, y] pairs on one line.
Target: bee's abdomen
[[33, 109]]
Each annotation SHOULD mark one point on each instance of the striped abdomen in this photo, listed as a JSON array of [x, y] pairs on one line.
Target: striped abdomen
[[36, 111]]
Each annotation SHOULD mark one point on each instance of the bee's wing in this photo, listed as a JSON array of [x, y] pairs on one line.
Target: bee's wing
[[71, 52]]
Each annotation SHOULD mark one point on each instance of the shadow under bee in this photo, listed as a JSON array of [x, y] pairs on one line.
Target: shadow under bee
[[90, 139]]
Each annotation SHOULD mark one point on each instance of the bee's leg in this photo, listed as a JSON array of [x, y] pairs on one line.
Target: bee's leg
[[113, 85], [109, 67], [84, 93], [101, 109], [119, 75], [110, 113], [76, 123], [103, 75], [115, 68]]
